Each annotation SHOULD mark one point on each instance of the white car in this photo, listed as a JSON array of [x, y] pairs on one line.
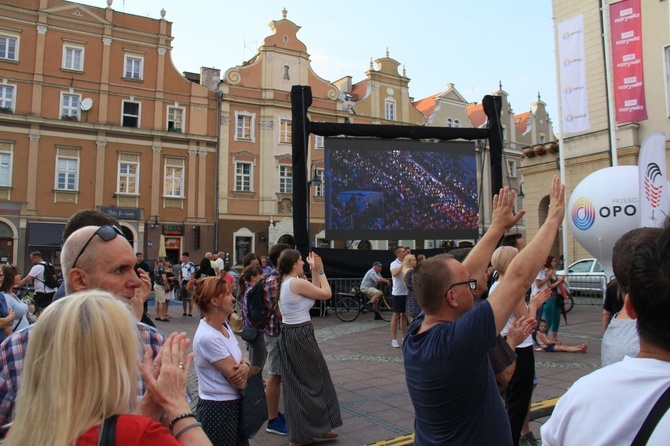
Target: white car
[[586, 278]]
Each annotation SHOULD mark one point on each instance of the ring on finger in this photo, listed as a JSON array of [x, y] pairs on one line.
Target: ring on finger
[[181, 365]]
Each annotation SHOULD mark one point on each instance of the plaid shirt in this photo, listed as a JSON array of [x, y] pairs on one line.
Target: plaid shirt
[[501, 354], [12, 361]]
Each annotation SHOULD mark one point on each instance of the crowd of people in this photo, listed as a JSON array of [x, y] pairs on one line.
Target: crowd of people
[[419, 190], [72, 367]]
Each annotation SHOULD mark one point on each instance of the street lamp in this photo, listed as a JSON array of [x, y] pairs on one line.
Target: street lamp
[[315, 181]]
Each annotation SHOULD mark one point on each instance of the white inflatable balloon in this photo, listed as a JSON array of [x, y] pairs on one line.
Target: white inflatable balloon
[[603, 207]]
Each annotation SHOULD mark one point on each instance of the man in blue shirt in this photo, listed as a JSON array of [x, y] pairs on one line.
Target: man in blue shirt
[[447, 369]]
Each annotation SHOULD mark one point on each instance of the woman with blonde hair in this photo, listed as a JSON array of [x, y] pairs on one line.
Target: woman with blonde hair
[[310, 400], [412, 307], [81, 372], [221, 367]]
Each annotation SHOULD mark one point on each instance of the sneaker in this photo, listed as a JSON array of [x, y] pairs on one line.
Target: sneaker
[[190, 315], [394, 343], [281, 417], [183, 315], [277, 426], [528, 440]]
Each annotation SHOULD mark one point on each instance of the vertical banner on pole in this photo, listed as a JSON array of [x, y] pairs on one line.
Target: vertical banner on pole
[[572, 74], [626, 32], [653, 181]]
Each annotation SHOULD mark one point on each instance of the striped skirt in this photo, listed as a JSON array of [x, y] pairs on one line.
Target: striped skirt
[[310, 401]]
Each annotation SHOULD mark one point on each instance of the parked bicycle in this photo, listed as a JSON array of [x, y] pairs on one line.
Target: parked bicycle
[[349, 306]]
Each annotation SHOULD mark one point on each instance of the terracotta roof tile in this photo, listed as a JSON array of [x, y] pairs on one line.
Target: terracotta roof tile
[[476, 114], [426, 105], [521, 121], [359, 89]]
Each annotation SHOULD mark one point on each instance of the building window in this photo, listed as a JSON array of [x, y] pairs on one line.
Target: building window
[[9, 47], [243, 176], [175, 119], [7, 97], [285, 130], [73, 58], [511, 168], [129, 174], [67, 173], [285, 179], [69, 106], [130, 114], [542, 139], [244, 126], [133, 67], [5, 169], [244, 243], [457, 123], [174, 177], [450, 122], [320, 188], [390, 109], [319, 141]]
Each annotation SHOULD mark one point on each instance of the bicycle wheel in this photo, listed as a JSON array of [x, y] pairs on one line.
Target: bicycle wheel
[[385, 310], [347, 308], [569, 303]]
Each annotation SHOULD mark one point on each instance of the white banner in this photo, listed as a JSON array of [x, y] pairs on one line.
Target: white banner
[[653, 181], [572, 75]]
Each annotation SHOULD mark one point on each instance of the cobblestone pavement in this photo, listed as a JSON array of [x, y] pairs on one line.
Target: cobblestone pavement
[[369, 377]]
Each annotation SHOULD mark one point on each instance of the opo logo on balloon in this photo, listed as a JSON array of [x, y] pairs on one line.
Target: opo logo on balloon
[[583, 213]]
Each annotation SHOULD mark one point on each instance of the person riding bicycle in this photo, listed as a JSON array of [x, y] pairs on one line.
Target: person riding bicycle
[[368, 286]]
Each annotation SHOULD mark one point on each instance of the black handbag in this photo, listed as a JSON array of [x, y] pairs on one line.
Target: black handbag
[[249, 334], [254, 404]]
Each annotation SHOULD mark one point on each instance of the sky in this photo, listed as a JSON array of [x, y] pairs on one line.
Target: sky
[[473, 44]]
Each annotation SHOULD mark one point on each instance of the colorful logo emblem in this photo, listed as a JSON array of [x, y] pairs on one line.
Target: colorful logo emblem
[[567, 62], [568, 90], [583, 214], [566, 36], [569, 118]]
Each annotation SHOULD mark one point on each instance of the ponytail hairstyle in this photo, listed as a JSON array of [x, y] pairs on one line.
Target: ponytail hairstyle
[[251, 271], [205, 289], [285, 263]]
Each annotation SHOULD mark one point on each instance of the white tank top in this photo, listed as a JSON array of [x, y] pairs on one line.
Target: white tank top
[[294, 308]]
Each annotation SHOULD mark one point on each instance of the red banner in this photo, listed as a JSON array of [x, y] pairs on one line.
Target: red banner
[[626, 32]]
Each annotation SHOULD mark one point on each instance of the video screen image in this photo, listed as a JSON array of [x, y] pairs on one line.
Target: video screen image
[[397, 189]]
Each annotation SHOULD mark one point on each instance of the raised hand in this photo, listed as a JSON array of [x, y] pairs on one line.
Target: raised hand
[[556, 200], [519, 330], [503, 209]]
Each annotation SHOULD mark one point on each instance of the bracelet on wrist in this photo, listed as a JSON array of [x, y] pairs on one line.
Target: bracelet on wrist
[[185, 428], [180, 417]]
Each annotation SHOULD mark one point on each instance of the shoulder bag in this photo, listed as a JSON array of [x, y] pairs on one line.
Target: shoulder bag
[[254, 404]]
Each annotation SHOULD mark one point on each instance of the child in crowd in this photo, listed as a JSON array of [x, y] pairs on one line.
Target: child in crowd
[[543, 343]]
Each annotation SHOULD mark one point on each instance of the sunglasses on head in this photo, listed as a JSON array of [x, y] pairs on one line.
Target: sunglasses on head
[[106, 233]]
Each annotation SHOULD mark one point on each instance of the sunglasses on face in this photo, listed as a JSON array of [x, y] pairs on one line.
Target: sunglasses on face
[[106, 233]]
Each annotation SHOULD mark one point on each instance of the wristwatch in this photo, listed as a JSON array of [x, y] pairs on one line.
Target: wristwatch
[[321, 272]]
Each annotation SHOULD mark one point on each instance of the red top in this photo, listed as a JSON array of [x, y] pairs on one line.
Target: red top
[[132, 430]]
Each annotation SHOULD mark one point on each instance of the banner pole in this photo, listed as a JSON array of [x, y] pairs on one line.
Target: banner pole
[[605, 22]]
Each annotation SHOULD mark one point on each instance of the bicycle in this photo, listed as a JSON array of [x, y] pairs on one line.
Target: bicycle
[[350, 305]]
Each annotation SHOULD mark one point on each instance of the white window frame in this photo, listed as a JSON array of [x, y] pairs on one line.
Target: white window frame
[[543, 139], [6, 165], [285, 179], [68, 171], [241, 116], [320, 188], [124, 114], [4, 101], [74, 49], [450, 122], [457, 123], [319, 141], [390, 109], [285, 135], [170, 177], [240, 177], [511, 168], [4, 46], [243, 233], [69, 109], [130, 72], [173, 121], [124, 160]]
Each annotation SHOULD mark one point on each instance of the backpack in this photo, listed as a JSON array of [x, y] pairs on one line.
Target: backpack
[[50, 277], [257, 311]]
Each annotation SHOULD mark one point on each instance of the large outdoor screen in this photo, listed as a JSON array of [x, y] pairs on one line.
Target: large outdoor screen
[[400, 189]]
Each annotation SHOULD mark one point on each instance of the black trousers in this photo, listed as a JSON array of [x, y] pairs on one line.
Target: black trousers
[[520, 390]]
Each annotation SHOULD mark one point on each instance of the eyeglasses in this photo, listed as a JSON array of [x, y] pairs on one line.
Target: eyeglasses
[[472, 283], [106, 233]]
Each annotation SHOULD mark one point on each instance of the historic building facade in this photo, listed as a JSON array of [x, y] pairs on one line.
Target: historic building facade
[[588, 151], [93, 114]]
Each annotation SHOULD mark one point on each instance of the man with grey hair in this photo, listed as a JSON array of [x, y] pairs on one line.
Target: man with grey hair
[[83, 270], [219, 263]]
